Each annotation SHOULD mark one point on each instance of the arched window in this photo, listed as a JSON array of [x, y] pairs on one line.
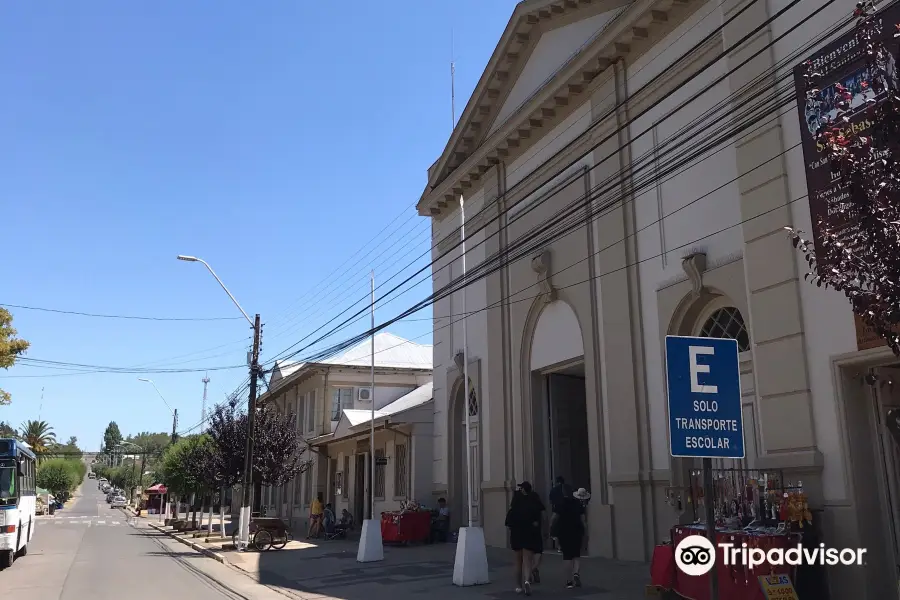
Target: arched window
[[473, 403], [727, 323]]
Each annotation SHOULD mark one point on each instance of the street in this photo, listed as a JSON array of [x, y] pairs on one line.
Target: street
[[91, 551]]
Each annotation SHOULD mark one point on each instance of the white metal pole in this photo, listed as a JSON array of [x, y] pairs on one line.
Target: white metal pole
[[466, 449], [372, 400]]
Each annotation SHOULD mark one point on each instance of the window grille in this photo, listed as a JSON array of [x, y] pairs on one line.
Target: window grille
[[345, 492], [727, 323], [400, 470], [379, 474], [473, 403]]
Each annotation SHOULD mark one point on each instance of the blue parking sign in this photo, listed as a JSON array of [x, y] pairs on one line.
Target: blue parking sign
[[704, 387]]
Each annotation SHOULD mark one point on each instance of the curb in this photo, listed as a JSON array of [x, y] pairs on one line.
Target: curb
[[194, 546]]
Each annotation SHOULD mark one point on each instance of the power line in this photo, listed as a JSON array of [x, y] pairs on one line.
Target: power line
[[594, 146], [506, 250], [131, 317], [558, 134]]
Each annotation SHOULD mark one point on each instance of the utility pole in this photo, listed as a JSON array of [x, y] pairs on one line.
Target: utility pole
[[141, 477], [175, 426], [247, 482], [203, 410]]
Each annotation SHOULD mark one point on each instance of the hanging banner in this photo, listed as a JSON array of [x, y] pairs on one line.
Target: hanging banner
[[841, 62]]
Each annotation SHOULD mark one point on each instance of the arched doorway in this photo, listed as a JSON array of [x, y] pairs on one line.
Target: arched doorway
[[459, 501], [559, 399]]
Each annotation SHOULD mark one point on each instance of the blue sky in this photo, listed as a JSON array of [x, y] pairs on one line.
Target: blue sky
[[274, 140]]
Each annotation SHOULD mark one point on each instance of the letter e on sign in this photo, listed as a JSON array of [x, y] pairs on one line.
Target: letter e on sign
[[696, 369]]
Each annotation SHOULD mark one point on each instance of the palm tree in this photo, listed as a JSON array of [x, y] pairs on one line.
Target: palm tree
[[39, 435]]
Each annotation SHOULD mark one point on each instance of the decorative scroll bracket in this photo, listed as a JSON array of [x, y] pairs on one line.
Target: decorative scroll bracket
[[694, 266], [540, 264], [459, 358]]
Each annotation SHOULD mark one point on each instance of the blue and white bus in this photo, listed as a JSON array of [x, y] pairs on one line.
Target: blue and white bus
[[18, 468]]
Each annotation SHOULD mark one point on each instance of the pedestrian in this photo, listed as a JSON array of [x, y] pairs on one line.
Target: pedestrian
[[570, 529], [315, 517], [524, 522], [556, 496]]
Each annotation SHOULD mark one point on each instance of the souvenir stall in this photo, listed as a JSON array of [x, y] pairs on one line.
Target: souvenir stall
[[410, 524], [755, 508]]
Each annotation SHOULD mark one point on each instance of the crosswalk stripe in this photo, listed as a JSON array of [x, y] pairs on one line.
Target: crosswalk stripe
[[115, 522], [101, 522]]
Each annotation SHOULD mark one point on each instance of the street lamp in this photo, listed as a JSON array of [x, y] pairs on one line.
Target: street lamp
[[244, 519], [174, 413]]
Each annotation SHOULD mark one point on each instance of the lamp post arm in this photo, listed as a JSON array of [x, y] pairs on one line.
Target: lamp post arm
[[233, 299], [161, 396]]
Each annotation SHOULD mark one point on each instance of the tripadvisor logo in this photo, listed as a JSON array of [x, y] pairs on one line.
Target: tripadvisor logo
[[695, 555]]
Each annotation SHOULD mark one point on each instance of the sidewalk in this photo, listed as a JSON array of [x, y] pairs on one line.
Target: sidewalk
[[320, 570]]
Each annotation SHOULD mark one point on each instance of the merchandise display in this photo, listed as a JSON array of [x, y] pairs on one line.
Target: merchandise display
[[756, 508]]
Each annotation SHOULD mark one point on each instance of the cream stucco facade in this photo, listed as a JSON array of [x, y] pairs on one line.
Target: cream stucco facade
[[319, 394], [571, 131]]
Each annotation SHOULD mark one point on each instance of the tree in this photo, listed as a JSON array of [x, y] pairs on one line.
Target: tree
[[112, 437], [68, 450], [11, 348], [60, 476], [278, 449], [856, 249], [153, 444], [228, 430], [7, 431], [39, 435]]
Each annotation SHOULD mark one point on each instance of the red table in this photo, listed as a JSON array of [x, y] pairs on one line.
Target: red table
[[406, 527], [735, 582]]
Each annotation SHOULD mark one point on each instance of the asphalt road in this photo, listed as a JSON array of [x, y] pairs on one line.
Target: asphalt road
[[89, 551]]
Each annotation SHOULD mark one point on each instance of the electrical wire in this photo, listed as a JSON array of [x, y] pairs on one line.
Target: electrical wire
[[618, 130], [102, 316], [559, 133], [419, 308], [681, 105]]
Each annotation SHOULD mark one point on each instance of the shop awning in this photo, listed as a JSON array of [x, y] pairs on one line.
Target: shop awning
[[157, 489]]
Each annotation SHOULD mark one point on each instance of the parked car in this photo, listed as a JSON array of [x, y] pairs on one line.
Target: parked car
[[118, 502]]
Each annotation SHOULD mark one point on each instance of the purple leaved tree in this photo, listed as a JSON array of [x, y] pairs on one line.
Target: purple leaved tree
[[856, 249], [279, 451]]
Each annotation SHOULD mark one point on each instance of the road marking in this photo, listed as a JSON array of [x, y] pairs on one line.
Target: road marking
[[101, 522], [115, 523]]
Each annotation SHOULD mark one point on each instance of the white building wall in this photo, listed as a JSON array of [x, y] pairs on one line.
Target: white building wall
[[555, 140], [442, 359], [680, 212], [828, 321]]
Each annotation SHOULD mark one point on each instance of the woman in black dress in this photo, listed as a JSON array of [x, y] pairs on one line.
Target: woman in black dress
[[570, 529], [524, 522]]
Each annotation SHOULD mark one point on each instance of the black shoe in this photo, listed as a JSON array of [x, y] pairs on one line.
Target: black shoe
[[569, 585], [577, 578], [535, 576]]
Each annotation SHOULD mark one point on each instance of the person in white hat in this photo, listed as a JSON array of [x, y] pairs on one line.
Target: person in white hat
[[570, 531]]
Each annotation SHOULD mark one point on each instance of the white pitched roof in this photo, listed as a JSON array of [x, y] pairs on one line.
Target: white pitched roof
[[419, 396], [390, 351]]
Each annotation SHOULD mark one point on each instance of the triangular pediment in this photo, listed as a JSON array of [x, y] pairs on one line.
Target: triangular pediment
[[540, 37], [552, 51]]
